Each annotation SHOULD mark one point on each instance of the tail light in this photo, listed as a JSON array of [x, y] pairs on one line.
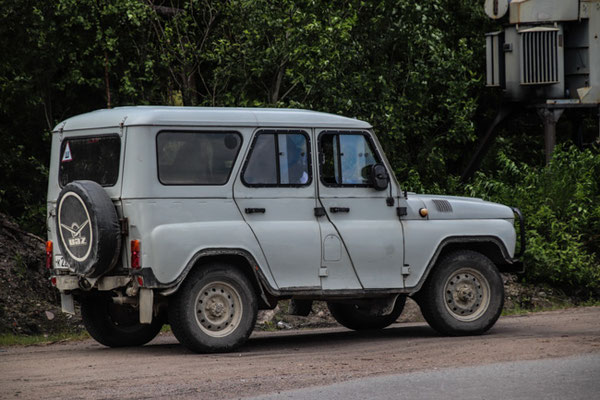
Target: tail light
[[135, 254], [49, 254]]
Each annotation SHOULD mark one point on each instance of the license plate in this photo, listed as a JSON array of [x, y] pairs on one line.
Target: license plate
[[60, 262]]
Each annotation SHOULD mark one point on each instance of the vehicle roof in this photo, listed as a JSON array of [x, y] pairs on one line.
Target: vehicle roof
[[207, 116]]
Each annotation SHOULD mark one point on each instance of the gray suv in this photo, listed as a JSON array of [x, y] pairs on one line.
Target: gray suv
[[200, 217]]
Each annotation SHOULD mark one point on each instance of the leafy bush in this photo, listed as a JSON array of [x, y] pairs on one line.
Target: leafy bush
[[561, 204]]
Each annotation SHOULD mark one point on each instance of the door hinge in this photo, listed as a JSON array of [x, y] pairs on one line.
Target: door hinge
[[406, 270], [401, 211], [124, 222], [319, 211], [323, 272]]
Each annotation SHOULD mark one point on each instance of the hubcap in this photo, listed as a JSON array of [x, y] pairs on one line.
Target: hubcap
[[218, 309], [466, 294]]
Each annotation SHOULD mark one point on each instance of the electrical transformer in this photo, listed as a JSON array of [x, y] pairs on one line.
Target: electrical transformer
[[547, 51]]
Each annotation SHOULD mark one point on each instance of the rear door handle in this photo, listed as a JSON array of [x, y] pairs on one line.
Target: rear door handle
[[254, 210], [339, 209]]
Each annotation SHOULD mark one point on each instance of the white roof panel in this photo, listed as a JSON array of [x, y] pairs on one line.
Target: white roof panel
[[208, 116]]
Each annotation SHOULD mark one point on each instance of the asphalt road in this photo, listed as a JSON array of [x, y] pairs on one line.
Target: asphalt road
[[539, 356], [571, 378]]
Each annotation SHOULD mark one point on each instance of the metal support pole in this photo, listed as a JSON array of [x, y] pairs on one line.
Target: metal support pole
[[550, 117], [486, 141]]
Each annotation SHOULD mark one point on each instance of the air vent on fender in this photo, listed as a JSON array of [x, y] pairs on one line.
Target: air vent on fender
[[442, 205]]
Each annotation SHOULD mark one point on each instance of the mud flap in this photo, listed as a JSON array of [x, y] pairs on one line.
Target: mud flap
[[66, 302], [146, 305]]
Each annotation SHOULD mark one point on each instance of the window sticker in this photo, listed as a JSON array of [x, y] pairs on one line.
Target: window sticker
[[67, 154]]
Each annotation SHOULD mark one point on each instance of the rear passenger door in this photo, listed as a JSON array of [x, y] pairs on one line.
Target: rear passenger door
[[365, 219], [275, 192]]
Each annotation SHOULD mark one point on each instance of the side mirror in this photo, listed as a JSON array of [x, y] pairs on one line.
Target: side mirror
[[379, 177]]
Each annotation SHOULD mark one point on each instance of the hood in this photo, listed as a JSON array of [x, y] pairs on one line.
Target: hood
[[453, 207]]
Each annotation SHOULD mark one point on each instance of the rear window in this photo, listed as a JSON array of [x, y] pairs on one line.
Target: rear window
[[90, 158], [196, 158]]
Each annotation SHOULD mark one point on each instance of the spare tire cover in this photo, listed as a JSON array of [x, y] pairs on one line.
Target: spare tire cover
[[88, 228]]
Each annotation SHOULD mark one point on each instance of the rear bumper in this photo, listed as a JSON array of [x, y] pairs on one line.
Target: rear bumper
[[66, 283]]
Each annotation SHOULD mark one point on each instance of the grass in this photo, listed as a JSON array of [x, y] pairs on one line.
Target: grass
[[11, 339]]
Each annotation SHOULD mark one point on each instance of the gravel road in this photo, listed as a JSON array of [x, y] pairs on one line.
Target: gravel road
[[273, 362]]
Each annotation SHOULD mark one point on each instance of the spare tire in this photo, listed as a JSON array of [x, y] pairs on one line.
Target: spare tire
[[87, 225]]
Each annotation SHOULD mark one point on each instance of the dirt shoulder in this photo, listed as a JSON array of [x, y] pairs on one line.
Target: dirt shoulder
[[276, 361], [29, 305]]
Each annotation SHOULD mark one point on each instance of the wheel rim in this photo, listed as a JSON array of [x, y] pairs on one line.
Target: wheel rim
[[218, 309], [466, 294]]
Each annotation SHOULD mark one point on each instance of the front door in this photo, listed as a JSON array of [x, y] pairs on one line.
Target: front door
[[275, 192], [365, 219]]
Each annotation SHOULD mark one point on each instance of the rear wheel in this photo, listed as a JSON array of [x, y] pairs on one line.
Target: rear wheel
[[116, 325], [214, 310], [463, 296], [358, 317]]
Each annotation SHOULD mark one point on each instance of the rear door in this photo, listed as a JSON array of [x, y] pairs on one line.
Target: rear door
[[94, 155], [364, 218], [275, 192]]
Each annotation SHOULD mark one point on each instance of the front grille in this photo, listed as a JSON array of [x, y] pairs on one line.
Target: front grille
[[539, 56]]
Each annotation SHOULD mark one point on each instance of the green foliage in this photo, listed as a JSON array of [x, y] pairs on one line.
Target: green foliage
[[561, 203], [413, 69]]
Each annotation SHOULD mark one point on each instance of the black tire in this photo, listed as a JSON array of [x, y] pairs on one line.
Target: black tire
[[463, 295], [87, 226], [214, 310], [116, 325], [353, 317]]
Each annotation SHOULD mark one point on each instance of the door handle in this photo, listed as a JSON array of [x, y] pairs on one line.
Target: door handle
[[339, 209], [254, 210]]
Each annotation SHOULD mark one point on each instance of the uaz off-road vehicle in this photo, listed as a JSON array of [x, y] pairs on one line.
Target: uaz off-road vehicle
[[199, 217]]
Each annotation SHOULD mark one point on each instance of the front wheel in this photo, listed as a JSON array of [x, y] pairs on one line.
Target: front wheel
[[463, 296], [357, 317], [116, 325], [214, 310]]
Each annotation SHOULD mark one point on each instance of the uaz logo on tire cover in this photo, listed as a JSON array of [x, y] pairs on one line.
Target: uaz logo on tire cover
[[75, 223], [75, 230]]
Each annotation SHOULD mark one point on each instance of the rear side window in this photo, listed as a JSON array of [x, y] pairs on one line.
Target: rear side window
[[90, 158], [278, 158], [196, 158]]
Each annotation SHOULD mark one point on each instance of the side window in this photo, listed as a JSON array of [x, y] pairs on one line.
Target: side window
[[278, 158], [196, 158], [346, 158]]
